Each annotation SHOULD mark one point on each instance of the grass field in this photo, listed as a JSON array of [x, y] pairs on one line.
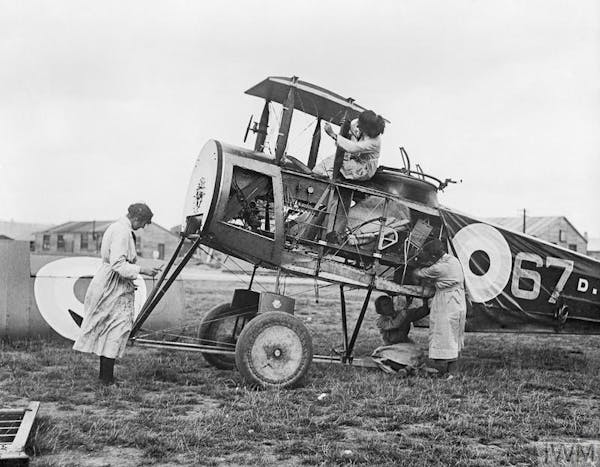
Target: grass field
[[515, 396]]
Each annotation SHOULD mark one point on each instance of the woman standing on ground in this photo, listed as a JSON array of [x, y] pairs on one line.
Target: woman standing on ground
[[108, 304], [448, 307]]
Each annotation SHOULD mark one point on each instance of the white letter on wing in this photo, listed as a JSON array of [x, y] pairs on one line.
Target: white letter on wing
[[582, 285]]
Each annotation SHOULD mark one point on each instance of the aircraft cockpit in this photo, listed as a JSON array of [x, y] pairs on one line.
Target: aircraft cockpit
[[387, 218], [266, 205]]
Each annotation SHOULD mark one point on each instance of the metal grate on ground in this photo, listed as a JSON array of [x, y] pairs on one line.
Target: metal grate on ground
[[15, 425]]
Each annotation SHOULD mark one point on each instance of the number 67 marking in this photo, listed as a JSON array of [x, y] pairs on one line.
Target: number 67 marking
[[520, 273]]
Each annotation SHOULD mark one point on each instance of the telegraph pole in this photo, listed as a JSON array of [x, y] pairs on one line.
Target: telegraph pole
[[524, 220]]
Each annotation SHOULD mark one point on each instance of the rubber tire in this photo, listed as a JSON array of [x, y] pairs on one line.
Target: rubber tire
[[295, 338], [208, 333]]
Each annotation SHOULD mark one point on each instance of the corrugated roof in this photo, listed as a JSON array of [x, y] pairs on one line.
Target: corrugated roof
[[85, 226], [533, 225], [89, 226], [21, 230]]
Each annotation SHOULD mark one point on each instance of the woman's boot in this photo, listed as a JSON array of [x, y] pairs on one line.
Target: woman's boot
[[107, 366]]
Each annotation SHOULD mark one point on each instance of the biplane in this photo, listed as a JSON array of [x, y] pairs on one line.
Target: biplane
[[267, 207]]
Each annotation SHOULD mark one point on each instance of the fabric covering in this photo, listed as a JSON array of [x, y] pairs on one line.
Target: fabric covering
[[360, 159], [448, 308], [109, 301], [517, 282], [390, 358]]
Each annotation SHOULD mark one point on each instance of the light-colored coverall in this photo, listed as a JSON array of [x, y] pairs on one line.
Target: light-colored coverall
[[361, 156], [448, 308], [109, 301]]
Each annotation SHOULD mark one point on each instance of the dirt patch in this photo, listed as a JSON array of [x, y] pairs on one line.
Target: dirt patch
[[355, 433], [200, 410], [62, 410], [107, 457], [12, 402], [584, 402], [487, 450], [417, 428], [264, 452]]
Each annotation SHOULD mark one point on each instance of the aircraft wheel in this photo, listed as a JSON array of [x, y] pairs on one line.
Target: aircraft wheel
[[220, 328], [274, 350]]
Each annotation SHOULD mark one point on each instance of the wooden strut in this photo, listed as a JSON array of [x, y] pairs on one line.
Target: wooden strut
[[314, 145], [344, 323], [263, 126], [339, 152], [253, 274], [159, 289], [286, 120], [334, 199], [359, 321]]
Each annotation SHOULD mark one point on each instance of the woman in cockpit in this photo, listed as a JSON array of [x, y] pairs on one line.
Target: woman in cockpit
[[362, 148]]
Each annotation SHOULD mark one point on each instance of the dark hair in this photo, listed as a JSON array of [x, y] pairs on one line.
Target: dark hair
[[140, 211], [384, 306], [435, 247], [371, 124]]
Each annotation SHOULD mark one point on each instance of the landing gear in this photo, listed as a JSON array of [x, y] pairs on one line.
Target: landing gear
[[220, 328], [274, 350]]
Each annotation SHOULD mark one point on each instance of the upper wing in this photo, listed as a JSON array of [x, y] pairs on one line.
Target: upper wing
[[310, 99]]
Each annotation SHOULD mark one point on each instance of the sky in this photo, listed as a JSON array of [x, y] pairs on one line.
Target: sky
[[107, 103]]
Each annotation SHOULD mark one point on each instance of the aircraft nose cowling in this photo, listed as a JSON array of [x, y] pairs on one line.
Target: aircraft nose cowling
[[202, 189]]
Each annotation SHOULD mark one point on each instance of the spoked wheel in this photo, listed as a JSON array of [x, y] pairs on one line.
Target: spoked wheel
[[274, 350], [220, 328]]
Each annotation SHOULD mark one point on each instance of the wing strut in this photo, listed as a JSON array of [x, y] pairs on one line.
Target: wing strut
[[314, 145], [261, 133], [339, 152], [286, 120]]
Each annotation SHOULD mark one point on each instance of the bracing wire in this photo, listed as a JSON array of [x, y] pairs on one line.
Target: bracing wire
[[297, 135], [242, 279], [243, 312]]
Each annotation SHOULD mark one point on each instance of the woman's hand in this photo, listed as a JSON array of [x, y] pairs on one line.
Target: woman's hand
[[150, 271], [329, 130], [415, 275]]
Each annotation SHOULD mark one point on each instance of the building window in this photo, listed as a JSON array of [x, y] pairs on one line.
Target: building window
[[573, 246], [60, 243], [46, 242], [84, 244], [562, 236], [32, 245], [161, 251], [98, 240]]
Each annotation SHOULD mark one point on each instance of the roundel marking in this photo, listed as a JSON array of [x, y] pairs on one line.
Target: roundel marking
[[483, 240], [55, 294]]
